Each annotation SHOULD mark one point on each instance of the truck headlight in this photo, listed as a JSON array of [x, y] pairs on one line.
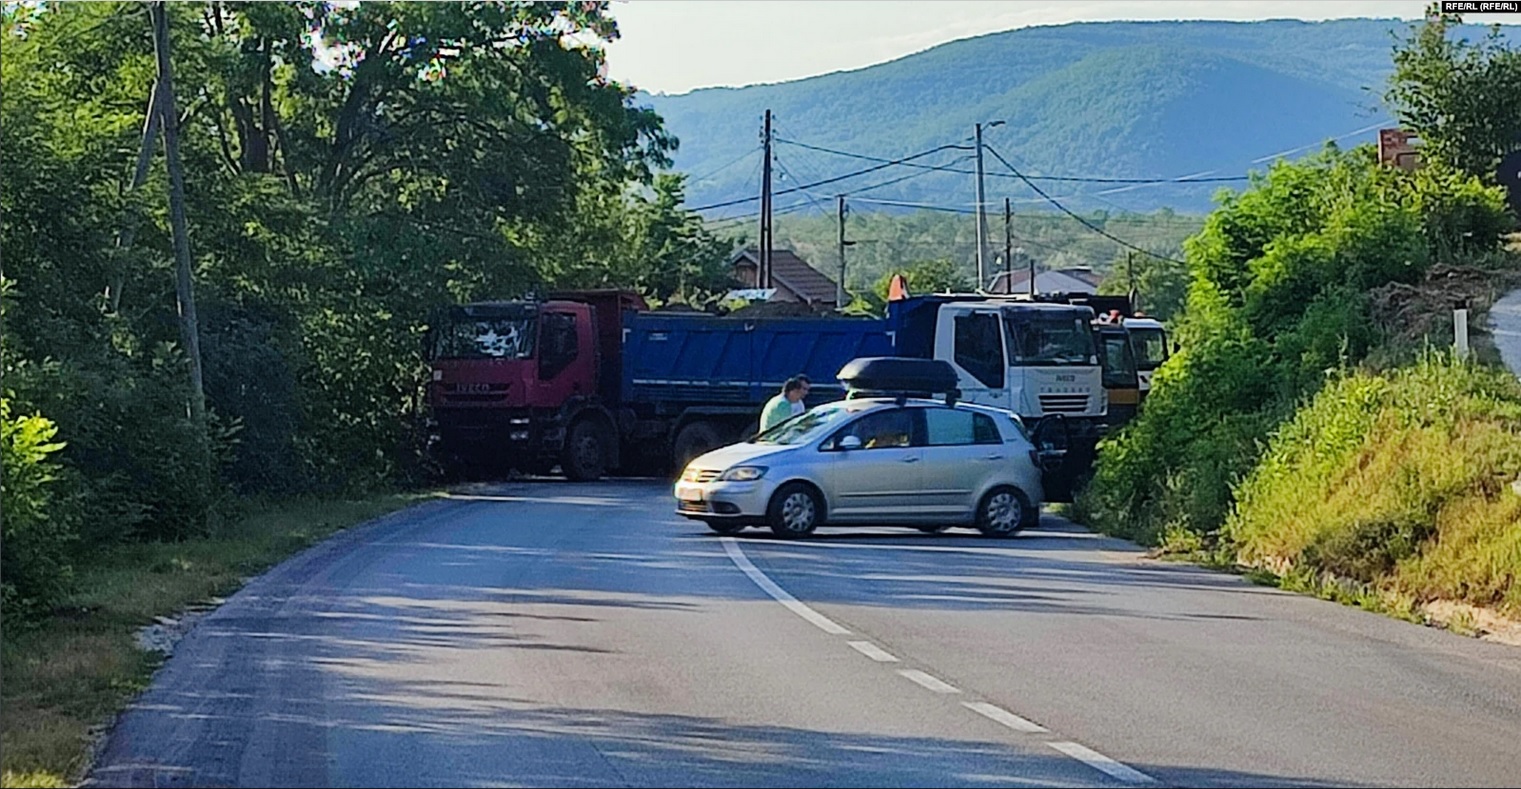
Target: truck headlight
[[743, 474]]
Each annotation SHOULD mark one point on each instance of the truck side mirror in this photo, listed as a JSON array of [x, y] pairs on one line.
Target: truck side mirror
[[1050, 436]]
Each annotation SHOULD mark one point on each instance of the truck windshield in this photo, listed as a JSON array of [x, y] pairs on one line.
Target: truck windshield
[[1150, 348], [808, 425], [486, 338], [1118, 361], [1049, 338]]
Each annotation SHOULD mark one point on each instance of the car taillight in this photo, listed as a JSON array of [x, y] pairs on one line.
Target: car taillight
[[1035, 457]]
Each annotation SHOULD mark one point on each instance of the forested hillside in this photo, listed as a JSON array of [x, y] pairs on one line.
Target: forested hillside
[[1108, 100]]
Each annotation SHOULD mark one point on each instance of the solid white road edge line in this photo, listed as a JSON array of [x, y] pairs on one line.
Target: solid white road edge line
[[777, 593]]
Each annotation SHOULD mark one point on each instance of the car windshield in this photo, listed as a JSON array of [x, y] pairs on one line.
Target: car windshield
[[809, 425], [1048, 338], [1150, 347], [486, 338]]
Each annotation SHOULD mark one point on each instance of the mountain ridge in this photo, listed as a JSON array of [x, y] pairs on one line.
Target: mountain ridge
[[1078, 99]]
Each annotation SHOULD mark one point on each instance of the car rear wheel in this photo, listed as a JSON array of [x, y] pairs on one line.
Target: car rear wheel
[[725, 527], [1004, 511], [795, 511]]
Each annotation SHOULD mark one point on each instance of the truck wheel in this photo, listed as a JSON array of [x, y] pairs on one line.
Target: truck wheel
[[585, 457], [695, 440]]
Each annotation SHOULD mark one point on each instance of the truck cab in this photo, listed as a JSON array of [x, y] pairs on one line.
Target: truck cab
[[509, 380], [1038, 359], [1122, 382], [1033, 359], [1148, 338]]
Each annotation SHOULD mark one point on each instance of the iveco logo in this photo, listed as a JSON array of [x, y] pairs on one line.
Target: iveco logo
[[1066, 378], [474, 388]]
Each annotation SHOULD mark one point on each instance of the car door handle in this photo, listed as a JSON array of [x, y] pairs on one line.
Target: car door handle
[[911, 459], [992, 457]]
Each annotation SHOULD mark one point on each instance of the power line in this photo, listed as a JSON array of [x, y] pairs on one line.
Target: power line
[[1068, 178], [788, 173], [896, 180], [711, 173], [910, 204], [736, 221], [835, 179], [1085, 223]]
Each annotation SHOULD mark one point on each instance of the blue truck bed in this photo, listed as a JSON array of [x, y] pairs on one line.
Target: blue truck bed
[[677, 360]]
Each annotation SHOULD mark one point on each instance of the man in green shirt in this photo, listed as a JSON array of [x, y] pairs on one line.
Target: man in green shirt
[[785, 405]]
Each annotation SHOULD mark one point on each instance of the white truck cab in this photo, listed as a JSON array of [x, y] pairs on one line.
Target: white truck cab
[[1148, 339], [1030, 358]]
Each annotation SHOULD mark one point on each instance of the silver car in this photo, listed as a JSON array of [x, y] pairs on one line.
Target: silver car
[[877, 461]]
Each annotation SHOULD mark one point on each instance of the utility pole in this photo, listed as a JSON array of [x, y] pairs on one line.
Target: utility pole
[[839, 290], [134, 209], [1008, 245], [1130, 279], [184, 286], [763, 278], [982, 219], [1031, 258]]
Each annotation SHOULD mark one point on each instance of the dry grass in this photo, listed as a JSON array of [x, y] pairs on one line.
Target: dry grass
[[73, 672]]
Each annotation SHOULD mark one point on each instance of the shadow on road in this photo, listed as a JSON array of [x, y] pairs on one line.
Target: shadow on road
[[310, 677]]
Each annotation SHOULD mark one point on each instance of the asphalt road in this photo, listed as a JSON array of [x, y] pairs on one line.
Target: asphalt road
[[553, 634], [1505, 328]]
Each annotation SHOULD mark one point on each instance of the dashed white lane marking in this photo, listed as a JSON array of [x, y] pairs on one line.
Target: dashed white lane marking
[[1086, 755], [1102, 763], [1001, 715], [926, 681], [872, 651], [779, 594]]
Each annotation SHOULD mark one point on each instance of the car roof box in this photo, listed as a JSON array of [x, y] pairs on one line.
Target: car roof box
[[891, 376]]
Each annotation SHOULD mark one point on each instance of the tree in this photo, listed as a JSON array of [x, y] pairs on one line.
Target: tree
[[348, 168], [1462, 97], [927, 276], [1161, 283]]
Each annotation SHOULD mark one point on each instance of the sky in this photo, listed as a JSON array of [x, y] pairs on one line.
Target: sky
[[674, 46]]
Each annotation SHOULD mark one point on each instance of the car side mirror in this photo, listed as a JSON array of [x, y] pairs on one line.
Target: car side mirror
[[849, 442]]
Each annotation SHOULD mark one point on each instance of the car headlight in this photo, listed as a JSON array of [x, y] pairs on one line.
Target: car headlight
[[743, 473]]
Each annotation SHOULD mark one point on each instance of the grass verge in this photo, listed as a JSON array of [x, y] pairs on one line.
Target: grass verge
[[67, 676]]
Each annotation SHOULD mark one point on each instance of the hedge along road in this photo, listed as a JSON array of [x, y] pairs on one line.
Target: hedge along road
[[553, 634]]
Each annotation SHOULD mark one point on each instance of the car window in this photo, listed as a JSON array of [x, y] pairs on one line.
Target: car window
[[948, 427], [984, 430], [806, 426], [887, 429]]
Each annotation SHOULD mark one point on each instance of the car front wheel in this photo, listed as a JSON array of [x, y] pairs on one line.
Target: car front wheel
[[795, 511], [725, 527]]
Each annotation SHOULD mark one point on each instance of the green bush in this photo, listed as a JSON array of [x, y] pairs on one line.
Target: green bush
[[1400, 480], [37, 530], [1277, 306]]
